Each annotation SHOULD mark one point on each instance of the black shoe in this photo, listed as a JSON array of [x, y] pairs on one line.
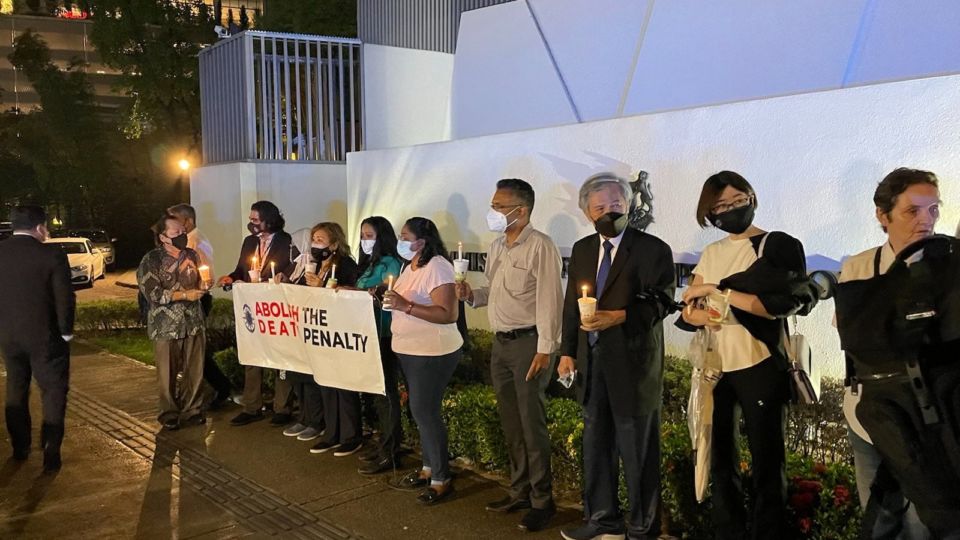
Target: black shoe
[[431, 496], [245, 418], [21, 454], [382, 465], [409, 482], [347, 449], [589, 532], [171, 424], [219, 402], [51, 462], [322, 447], [195, 420], [537, 518], [281, 419], [508, 504]]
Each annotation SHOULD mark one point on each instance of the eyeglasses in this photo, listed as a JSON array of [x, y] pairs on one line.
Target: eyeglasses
[[732, 205]]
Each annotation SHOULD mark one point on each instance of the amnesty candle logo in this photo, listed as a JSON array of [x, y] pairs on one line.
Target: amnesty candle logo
[[248, 319]]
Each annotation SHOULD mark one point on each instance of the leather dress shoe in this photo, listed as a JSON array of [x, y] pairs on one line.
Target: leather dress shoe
[[51, 462], [171, 424], [245, 418], [589, 532], [508, 504], [381, 465], [431, 495], [537, 518], [21, 454], [411, 482], [196, 420], [281, 419]]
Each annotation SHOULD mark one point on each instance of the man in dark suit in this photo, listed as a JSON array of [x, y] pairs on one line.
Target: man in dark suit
[[616, 356], [267, 243], [36, 324]]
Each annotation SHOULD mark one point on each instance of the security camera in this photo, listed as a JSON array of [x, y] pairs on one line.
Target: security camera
[[221, 31]]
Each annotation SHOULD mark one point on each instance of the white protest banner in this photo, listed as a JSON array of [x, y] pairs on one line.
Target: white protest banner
[[327, 333]]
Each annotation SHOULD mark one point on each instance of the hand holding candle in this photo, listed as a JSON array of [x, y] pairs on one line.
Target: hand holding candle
[[206, 279], [332, 282], [587, 305], [386, 305]]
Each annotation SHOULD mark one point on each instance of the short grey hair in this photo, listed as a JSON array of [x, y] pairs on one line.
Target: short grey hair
[[601, 181], [183, 211]]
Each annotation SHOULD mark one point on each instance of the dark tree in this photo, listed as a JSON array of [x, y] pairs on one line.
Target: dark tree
[[230, 20], [218, 11], [329, 17]]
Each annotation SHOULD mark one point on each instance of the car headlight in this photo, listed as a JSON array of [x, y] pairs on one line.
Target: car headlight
[[80, 268]]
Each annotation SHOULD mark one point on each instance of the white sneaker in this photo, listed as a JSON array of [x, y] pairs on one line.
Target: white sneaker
[[295, 430], [308, 434]]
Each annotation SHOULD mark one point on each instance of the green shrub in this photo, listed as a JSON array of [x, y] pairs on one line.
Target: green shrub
[[107, 315], [473, 424], [229, 363]]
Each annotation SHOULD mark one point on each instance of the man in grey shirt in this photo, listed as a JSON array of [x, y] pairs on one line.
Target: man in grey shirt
[[524, 298]]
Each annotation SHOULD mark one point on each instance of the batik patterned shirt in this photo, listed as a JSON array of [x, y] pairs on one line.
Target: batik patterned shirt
[[159, 276]]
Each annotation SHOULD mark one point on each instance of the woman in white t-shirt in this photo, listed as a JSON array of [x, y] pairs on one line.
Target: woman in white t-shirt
[[754, 381], [428, 345]]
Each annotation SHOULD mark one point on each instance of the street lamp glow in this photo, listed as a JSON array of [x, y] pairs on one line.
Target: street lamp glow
[[184, 164]]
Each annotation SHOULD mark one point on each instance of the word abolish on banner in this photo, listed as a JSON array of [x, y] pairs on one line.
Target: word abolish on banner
[[329, 334]]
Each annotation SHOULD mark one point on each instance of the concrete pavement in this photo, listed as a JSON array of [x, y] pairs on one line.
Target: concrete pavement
[[122, 478]]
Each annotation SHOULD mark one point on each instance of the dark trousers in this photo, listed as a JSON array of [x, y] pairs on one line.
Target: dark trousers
[[341, 413], [310, 396], [523, 415], [211, 371], [759, 393], [427, 379], [50, 366], [607, 440], [922, 458], [388, 406]]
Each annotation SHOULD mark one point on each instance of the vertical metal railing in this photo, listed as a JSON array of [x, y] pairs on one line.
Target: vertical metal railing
[[276, 96]]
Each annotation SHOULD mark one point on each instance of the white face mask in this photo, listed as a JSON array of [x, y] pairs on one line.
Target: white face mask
[[497, 222], [405, 251], [367, 246]]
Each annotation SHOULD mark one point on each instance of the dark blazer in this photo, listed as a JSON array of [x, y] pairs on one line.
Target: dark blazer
[[279, 253], [38, 299], [632, 353]]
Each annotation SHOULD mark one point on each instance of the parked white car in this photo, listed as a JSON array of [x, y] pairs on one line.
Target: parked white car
[[86, 262]]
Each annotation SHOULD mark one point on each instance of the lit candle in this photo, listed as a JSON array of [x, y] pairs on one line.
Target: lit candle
[[390, 282], [204, 273], [333, 273], [584, 289], [273, 269], [459, 250], [253, 265]]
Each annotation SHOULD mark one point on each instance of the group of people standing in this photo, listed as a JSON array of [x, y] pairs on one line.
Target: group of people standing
[[613, 354]]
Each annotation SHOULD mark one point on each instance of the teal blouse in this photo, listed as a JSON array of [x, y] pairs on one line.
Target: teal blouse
[[374, 276]]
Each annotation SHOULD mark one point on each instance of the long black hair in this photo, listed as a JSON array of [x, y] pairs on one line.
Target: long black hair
[[270, 216], [385, 246], [426, 230]]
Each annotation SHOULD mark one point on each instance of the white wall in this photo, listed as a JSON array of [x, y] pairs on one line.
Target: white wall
[[615, 58], [406, 96], [814, 159], [222, 194]]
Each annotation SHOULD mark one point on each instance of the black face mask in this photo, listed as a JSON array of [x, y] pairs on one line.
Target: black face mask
[[611, 224], [320, 254], [179, 242], [254, 229], [734, 221]]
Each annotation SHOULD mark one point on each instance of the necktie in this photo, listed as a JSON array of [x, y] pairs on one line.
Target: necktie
[[602, 274]]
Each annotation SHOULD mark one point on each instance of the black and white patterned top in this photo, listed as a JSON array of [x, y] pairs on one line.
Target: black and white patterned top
[[159, 276]]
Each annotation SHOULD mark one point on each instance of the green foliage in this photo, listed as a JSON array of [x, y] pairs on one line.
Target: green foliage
[[229, 363], [132, 344], [327, 18], [107, 315], [474, 368], [473, 425]]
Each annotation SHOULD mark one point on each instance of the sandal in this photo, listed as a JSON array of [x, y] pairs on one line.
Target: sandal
[[431, 496]]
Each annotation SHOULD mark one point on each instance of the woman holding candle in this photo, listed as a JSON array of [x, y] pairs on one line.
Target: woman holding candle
[[379, 265], [755, 379], [428, 344], [341, 408]]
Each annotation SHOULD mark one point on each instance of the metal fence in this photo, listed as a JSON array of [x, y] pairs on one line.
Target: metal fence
[[276, 96]]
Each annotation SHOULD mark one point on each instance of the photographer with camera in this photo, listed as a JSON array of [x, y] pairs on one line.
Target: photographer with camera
[[898, 315]]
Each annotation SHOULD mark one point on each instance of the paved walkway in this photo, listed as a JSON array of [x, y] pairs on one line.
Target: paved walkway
[[121, 479]]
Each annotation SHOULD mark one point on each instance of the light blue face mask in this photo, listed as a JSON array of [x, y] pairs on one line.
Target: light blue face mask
[[405, 250]]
